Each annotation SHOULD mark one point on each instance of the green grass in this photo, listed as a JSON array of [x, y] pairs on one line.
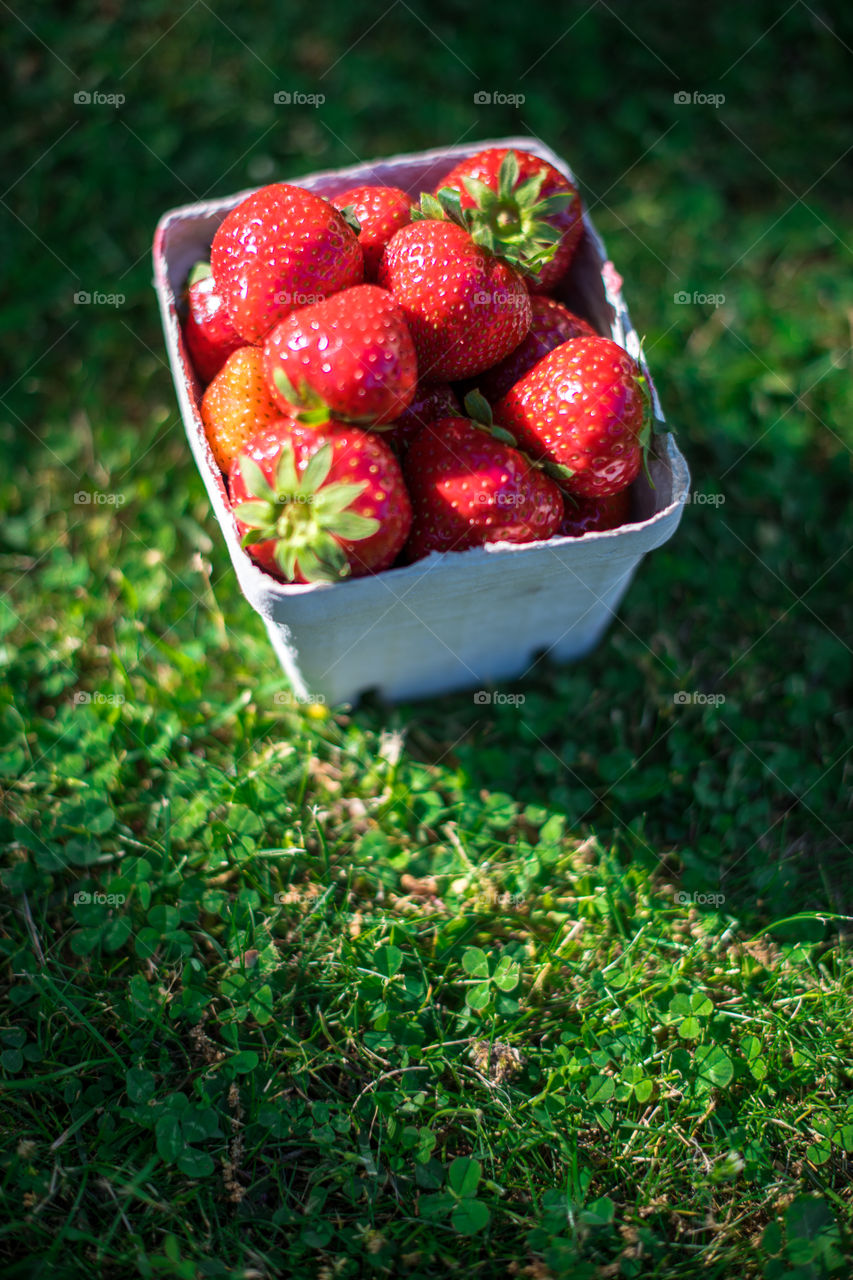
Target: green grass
[[550, 988]]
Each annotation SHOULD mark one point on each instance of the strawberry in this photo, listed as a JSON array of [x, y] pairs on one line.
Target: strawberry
[[317, 504], [432, 401], [468, 488], [349, 357], [551, 325], [208, 332], [520, 207], [237, 404], [582, 409], [281, 248], [380, 212], [465, 308], [593, 515]]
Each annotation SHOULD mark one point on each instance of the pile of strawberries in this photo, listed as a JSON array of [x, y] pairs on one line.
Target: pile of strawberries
[[341, 338]]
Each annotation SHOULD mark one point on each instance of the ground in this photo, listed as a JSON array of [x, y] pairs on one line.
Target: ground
[[542, 988]]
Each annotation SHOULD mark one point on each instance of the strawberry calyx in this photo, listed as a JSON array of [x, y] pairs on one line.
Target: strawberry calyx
[[511, 222], [350, 217], [302, 515], [480, 413], [312, 410]]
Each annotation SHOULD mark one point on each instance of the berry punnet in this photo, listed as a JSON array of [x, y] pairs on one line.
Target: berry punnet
[[237, 404], [350, 357], [283, 247], [520, 207], [594, 515], [380, 211], [584, 410], [551, 325], [465, 308], [469, 487], [209, 334], [319, 503]]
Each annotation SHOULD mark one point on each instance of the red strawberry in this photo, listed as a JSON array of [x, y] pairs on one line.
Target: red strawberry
[[209, 334], [237, 404], [432, 401], [468, 488], [349, 357], [282, 248], [520, 205], [317, 504], [593, 515], [465, 308], [551, 325], [380, 212], [582, 408]]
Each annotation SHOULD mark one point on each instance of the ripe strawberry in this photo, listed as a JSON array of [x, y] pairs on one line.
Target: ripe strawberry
[[468, 488], [551, 325], [282, 248], [237, 404], [582, 408], [317, 504], [380, 212], [349, 357], [432, 402], [593, 515], [521, 207], [208, 332], [465, 309]]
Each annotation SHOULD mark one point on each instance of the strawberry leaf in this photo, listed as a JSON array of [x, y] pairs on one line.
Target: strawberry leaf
[[256, 514], [349, 216], [317, 470], [335, 498], [350, 525], [200, 271], [286, 479], [257, 485]]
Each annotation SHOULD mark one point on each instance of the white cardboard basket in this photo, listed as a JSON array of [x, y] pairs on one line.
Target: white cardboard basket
[[461, 619]]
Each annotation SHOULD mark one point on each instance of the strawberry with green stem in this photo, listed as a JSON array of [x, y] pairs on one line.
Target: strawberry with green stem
[[470, 486], [379, 211], [585, 410], [319, 504], [350, 357], [518, 206]]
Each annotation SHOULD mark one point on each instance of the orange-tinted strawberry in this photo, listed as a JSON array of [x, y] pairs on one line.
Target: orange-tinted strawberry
[[209, 334], [237, 404], [318, 504], [283, 247], [468, 488], [583, 409], [350, 357], [521, 207], [380, 212], [551, 325]]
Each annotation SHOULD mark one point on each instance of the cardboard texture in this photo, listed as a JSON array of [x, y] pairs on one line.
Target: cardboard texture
[[460, 620]]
